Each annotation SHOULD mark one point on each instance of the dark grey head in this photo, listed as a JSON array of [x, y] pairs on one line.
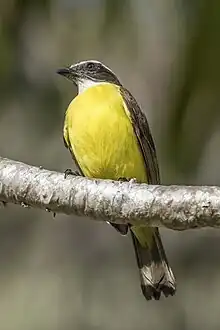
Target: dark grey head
[[87, 73]]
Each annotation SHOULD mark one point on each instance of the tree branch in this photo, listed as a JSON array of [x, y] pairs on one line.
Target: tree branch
[[175, 207]]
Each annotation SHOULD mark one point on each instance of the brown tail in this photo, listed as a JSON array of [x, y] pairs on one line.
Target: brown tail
[[155, 274]]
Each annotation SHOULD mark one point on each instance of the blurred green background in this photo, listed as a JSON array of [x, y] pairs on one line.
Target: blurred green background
[[67, 273]]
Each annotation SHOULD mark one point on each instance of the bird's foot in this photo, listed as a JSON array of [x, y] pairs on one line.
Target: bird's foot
[[131, 180], [71, 172], [123, 179]]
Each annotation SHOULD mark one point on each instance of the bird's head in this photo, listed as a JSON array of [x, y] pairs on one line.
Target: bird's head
[[87, 73]]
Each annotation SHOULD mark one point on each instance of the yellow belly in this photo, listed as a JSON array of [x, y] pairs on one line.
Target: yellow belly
[[101, 135]]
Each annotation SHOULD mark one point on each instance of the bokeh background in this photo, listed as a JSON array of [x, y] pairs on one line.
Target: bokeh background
[[67, 273]]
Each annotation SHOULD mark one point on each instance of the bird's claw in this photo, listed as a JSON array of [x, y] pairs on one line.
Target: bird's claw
[[131, 180], [70, 172], [123, 179]]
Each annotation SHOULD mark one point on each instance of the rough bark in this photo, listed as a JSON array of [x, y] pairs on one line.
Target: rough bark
[[175, 207]]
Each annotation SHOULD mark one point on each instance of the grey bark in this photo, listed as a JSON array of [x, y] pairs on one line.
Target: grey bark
[[174, 207]]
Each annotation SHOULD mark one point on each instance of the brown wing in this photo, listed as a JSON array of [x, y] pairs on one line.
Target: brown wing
[[144, 137]]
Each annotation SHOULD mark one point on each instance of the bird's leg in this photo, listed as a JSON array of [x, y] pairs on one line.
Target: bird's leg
[[133, 180], [123, 179], [71, 172]]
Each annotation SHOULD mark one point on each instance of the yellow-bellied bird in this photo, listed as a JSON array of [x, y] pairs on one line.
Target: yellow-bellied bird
[[109, 138]]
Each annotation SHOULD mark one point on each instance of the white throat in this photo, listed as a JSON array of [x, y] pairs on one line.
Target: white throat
[[84, 84]]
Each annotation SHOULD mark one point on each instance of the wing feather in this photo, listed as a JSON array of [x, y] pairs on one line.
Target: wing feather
[[144, 137]]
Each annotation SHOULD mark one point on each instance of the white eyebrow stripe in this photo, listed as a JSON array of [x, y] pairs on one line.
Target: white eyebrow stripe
[[93, 61]]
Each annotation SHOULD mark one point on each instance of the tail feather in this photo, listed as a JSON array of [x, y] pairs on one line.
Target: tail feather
[[155, 274]]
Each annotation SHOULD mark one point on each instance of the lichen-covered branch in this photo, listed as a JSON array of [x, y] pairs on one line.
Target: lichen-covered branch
[[175, 207]]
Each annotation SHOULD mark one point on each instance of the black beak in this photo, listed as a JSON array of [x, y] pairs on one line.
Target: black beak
[[64, 72]]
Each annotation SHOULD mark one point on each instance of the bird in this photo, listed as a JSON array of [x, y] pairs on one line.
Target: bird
[[109, 137]]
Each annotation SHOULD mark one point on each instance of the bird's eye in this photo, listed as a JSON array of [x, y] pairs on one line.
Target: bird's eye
[[90, 66]]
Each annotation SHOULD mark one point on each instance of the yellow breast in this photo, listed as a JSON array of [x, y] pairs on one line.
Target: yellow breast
[[100, 133]]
